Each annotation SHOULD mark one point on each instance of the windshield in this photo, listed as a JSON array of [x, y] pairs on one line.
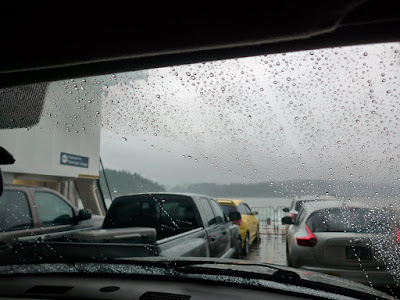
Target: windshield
[[165, 143]]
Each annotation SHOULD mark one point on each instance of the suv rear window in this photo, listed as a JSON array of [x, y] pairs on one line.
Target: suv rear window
[[300, 203], [168, 214], [350, 219]]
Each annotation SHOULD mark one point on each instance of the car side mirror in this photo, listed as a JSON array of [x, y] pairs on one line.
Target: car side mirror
[[5, 159], [84, 214], [1, 183], [287, 220], [285, 209], [234, 216]]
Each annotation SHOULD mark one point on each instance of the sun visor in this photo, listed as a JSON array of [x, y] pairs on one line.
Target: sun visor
[[21, 106]]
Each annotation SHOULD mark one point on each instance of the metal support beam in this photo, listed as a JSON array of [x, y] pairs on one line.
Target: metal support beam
[[91, 195]]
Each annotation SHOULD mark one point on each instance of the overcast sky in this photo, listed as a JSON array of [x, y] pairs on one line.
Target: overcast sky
[[330, 113]]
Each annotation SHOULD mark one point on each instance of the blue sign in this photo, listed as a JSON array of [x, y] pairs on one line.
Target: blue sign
[[74, 160]]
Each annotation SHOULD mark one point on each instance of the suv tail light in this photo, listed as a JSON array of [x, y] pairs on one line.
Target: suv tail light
[[397, 234], [238, 222], [309, 240]]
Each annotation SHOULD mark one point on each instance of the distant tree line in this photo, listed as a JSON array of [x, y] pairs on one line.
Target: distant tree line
[[123, 182], [293, 188]]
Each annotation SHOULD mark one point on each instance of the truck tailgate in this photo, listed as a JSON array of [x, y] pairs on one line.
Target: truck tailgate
[[86, 244], [27, 252], [142, 235], [192, 243]]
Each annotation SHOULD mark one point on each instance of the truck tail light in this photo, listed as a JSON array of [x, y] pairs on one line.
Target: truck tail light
[[309, 240], [397, 234]]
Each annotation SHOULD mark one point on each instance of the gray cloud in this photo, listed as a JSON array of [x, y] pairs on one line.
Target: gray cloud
[[325, 114]]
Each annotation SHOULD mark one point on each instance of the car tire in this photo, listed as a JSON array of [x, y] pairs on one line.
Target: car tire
[[238, 249], [288, 260], [246, 246], [258, 236]]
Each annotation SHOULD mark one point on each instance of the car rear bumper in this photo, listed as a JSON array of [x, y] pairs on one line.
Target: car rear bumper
[[367, 277]]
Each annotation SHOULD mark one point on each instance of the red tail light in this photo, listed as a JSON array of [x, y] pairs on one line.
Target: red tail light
[[238, 222], [309, 240], [397, 234], [293, 216]]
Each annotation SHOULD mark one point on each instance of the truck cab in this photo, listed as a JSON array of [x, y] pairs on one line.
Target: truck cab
[[28, 210]]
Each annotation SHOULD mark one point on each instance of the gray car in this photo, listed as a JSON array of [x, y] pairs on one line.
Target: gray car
[[351, 241], [297, 202]]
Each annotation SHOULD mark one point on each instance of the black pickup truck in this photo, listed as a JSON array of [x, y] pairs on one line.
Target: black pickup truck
[[157, 224]]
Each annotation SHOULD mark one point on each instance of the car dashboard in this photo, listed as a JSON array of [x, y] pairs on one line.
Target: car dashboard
[[123, 287]]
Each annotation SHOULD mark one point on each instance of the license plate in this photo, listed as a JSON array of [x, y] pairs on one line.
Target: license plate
[[358, 253]]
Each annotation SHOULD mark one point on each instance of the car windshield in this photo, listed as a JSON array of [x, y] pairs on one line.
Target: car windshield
[[263, 129]]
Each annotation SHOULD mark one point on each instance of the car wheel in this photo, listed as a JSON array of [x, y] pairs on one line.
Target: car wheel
[[258, 236], [246, 246], [238, 249], [288, 260]]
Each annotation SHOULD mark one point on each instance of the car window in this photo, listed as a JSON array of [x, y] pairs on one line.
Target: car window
[[209, 213], [352, 219], [168, 214], [247, 209], [15, 212], [220, 215], [53, 210], [300, 217], [228, 208], [142, 211], [242, 209], [179, 215], [298, 205], [292, 205]]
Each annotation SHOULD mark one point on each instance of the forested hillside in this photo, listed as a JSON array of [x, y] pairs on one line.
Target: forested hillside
[[123, 182]]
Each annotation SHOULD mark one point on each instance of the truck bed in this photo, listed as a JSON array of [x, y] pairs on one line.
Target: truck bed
[[65, 246]]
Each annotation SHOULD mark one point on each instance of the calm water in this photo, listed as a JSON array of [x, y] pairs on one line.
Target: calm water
[[253, 202], [257, 202]]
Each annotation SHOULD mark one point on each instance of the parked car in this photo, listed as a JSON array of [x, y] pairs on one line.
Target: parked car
[[156, 224], [347, 241], [249, 225], [28, 210], [297, 202]]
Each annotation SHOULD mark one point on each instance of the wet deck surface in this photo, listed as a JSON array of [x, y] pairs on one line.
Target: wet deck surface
[[271, 249]]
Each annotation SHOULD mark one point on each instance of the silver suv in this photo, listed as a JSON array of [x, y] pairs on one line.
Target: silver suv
[[297, 202], [345, 240]]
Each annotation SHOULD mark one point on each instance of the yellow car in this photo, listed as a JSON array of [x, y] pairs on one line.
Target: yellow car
[[249, 227]]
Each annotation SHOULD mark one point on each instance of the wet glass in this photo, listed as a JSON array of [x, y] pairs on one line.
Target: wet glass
[[263, 129]]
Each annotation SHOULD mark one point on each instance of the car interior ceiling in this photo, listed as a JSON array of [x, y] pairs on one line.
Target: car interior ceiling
[[46, 46], [90, 41], [117, 41]]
